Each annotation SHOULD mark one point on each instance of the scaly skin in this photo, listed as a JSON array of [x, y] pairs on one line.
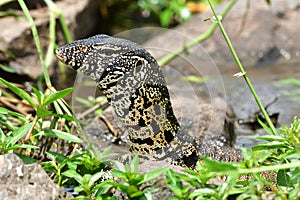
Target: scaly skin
[[134, 85]]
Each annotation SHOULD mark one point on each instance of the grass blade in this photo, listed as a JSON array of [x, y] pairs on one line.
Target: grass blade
[[19, 133], [271, 138], [56, 95], [153, 174], [23, 146], [270, 145], [5, 111], [21, 93], [265, 127], [62, 135]]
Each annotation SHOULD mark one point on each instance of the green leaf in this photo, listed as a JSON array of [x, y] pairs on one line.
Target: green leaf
[[56, 95], [136, 194], [188, 179], [177, 191], [50, 166], [148, 195], [266, 128], [101, 156], [119, 174], [121, 187], [165, 17], [216, 166], [153, 174], [295, 176], [95, 177], [5, 111], [21, 93], [79, 189], [294, 155], [22, 146], [170, 174], [69, 118], [2, 137], [38, 94], [226, 188], [17, 134], [103, 187], [132, 189], [295, 126], [73, 174], [7, 68], [202, 191], [25, 159], [294, 194], [42, 112], [80, 197], [58, 157], [269, 145], [62, 135], [85, 180], [72, 166], [284, 130], [283, 179], [271, 138]]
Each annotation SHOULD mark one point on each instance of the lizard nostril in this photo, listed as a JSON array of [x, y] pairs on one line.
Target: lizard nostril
[[58, 51], [60, 56]]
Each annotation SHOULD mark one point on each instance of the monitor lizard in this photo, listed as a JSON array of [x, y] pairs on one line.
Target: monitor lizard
[[135, 87]]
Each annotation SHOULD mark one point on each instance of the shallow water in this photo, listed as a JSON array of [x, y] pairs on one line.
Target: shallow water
[[265, 80]]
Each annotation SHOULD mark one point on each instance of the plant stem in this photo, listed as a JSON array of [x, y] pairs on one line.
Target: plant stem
[[65, 28], [168, 58], [269, 168], [27, 138], [57, 12], [36, 40], [50, 51], [243, 72]]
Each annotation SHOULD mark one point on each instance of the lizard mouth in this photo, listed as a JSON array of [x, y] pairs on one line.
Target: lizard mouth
[[59, 55], [64, 59]]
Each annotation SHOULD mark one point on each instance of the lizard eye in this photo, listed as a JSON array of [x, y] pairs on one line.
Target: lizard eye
[[83, 48], [137, 66], [139, 62]]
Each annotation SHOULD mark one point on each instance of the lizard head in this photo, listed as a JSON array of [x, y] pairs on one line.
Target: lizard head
[[104, 57]]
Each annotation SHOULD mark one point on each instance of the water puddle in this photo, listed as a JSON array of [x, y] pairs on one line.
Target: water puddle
[[284, 99]]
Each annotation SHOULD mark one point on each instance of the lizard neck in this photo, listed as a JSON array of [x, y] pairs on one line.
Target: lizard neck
[[142, 104]]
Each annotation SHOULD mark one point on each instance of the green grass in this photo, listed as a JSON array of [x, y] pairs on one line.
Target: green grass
[[52, 135]]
